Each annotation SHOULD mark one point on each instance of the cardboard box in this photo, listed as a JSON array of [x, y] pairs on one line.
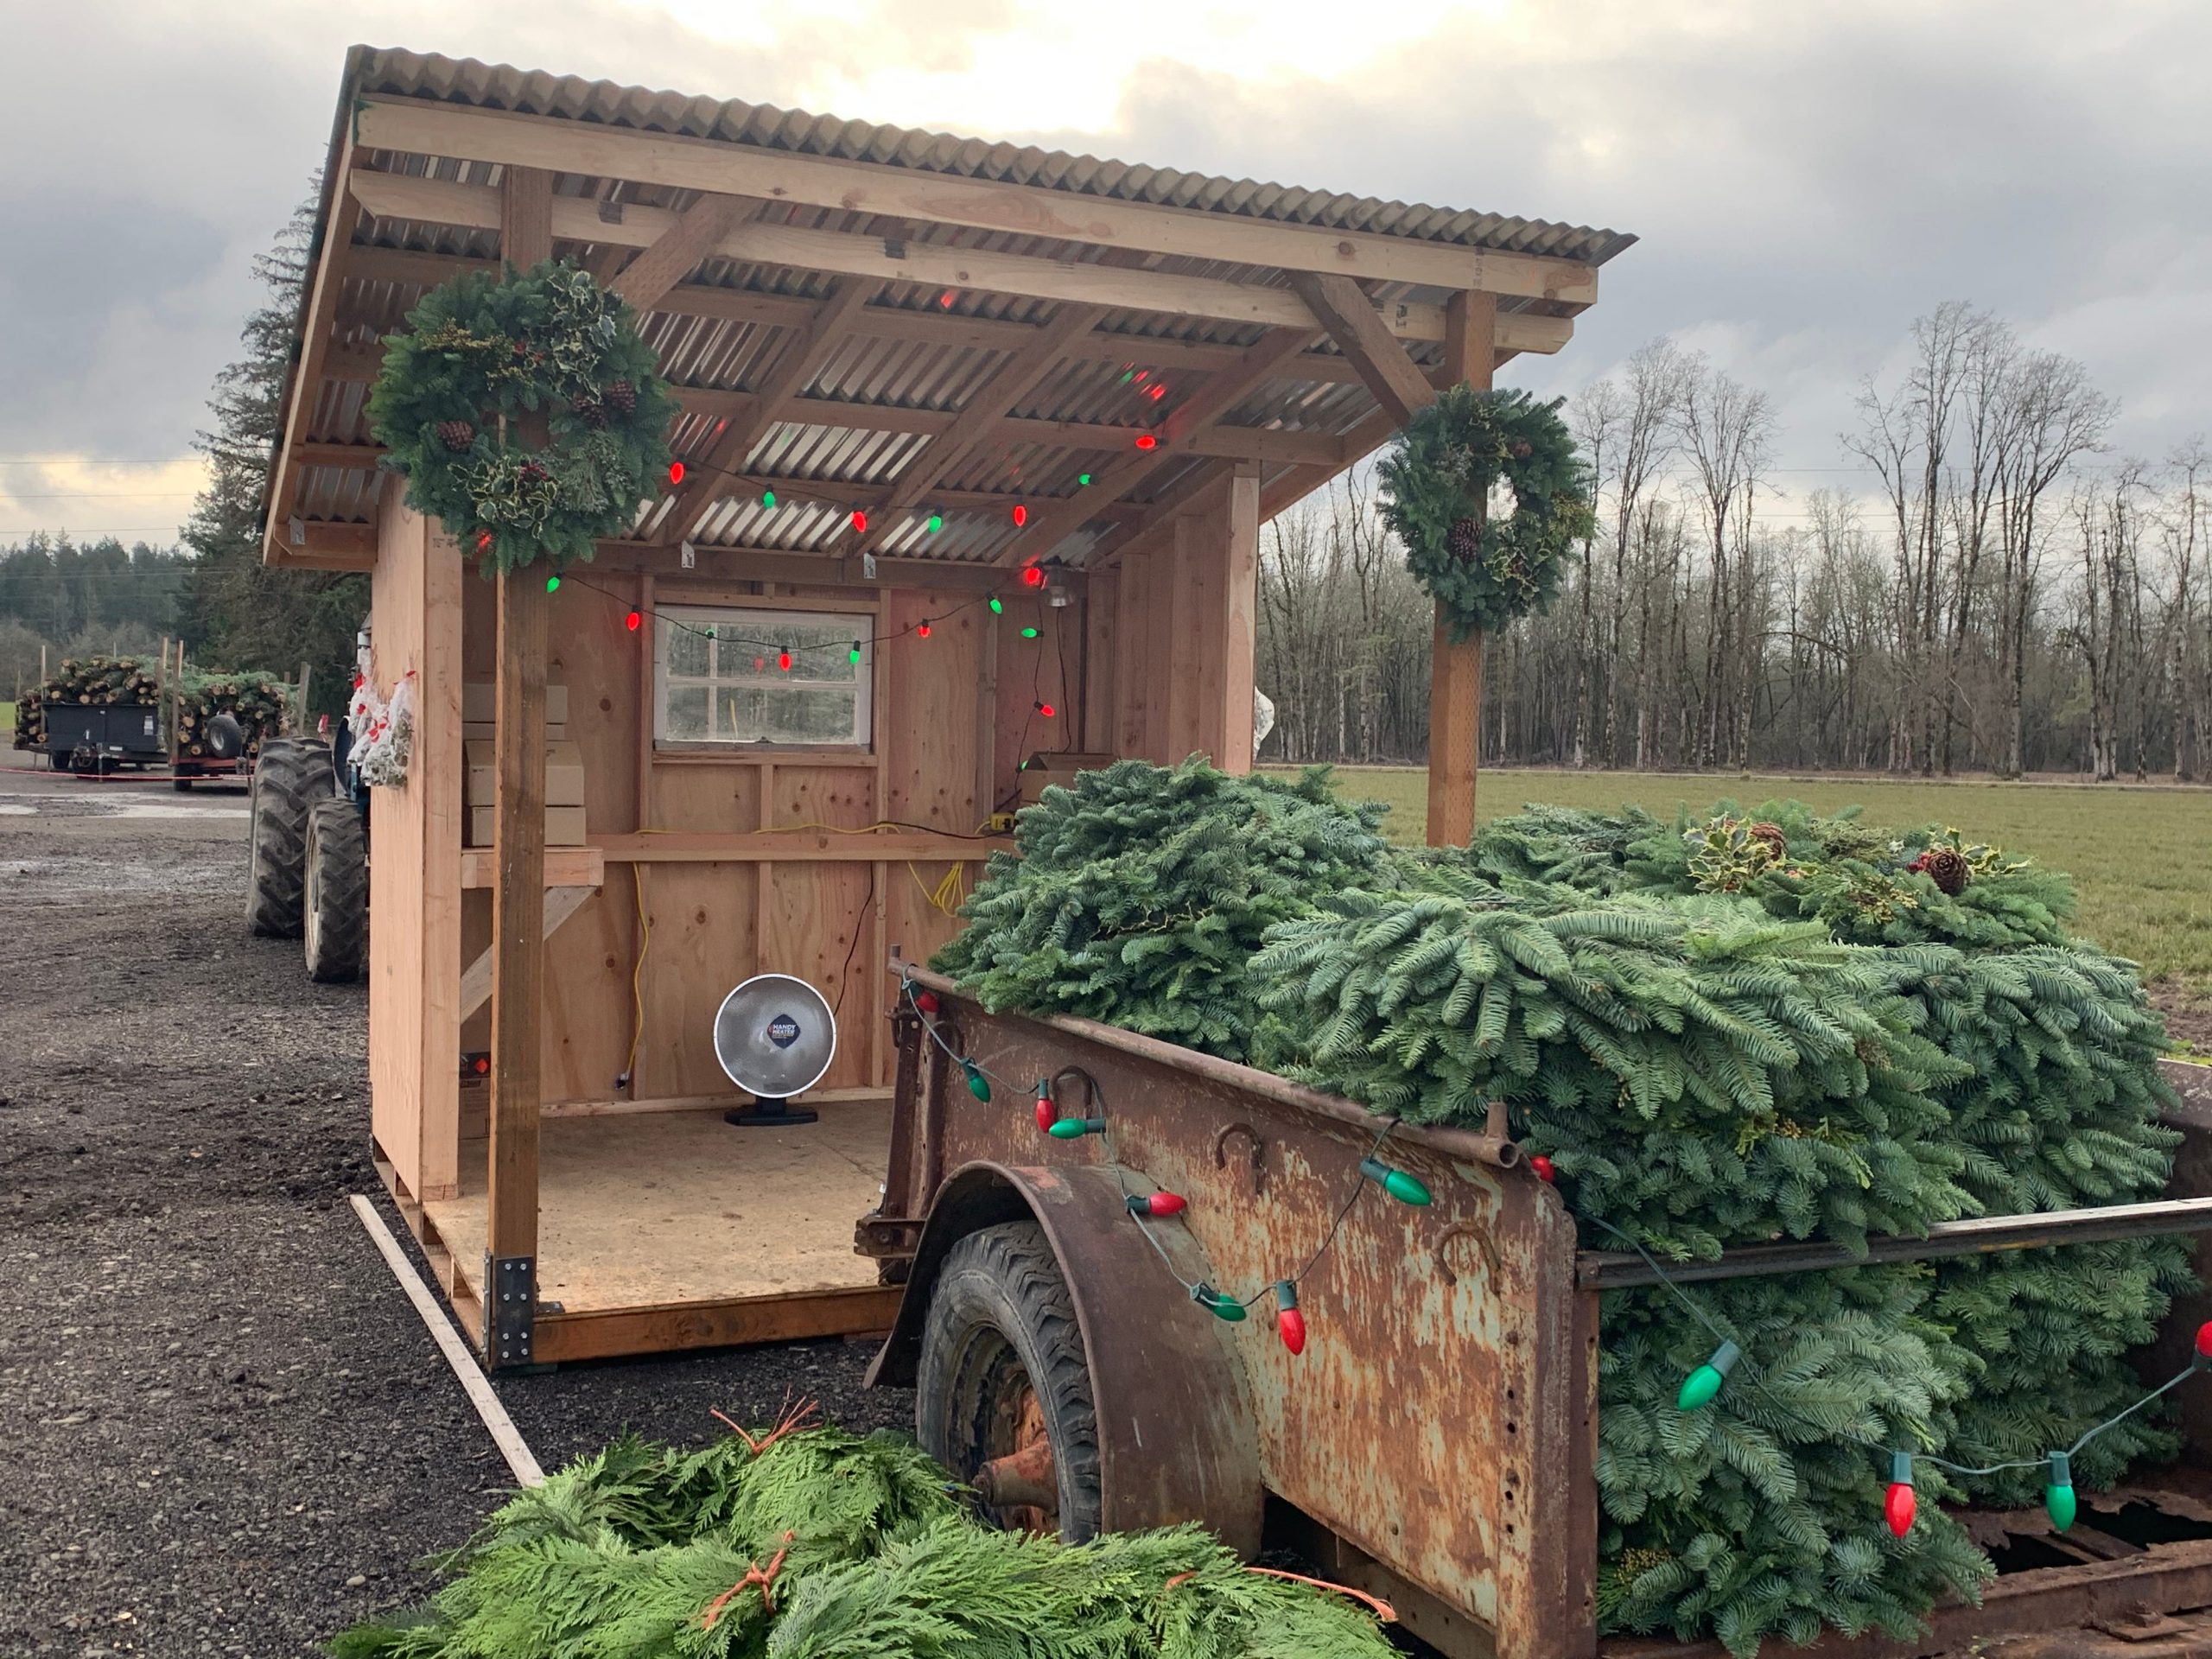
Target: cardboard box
[[564, 826], [564, 773], [479, 704], [1044, 769]]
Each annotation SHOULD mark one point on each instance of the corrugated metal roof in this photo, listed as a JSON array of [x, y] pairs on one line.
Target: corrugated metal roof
[[500, 86], [872, 401]]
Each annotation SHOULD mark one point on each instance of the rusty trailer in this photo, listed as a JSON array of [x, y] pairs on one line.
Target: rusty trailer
[[1435, 1445]]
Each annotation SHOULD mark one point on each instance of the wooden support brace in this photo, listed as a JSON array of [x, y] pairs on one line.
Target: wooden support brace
[[561, 903]]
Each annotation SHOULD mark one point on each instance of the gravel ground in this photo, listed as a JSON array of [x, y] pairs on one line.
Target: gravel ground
[[223, 1427]]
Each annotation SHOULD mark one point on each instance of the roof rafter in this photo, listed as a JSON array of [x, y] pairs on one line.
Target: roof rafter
[[422, 127], [698, 231], [1397, 382], [576, 218], [799, 362]]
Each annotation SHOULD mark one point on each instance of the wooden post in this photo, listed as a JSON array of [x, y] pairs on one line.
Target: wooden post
[[1455, 685], [305, 669], [1240, 618], [518, 958], [518, 899]]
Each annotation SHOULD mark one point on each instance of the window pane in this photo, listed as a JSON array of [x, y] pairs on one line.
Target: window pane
[[686, 652], [809, 716], [687, 712]]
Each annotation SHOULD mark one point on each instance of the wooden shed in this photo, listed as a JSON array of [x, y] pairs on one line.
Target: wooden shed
[[1008, 420]]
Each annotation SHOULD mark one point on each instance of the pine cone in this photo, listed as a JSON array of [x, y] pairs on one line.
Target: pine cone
[[1523, 449], [456, 436], [622, 396], [1465, 539], [1947, 869], [592, 416], [1776, 843]]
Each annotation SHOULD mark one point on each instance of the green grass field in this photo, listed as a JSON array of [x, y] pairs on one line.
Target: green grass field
[[7, 717], [2141, 858]]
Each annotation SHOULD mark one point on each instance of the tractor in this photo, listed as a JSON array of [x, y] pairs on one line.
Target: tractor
[[308, 863]]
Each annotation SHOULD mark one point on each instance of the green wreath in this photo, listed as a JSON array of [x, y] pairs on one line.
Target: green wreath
[[448, 404], [1485, 571]]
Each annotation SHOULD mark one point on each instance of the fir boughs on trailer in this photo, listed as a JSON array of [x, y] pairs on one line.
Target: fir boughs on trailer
[[449, 403], [1484, 568], [1139, 893], [811, 1543]]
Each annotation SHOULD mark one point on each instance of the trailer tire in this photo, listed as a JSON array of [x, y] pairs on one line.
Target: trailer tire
[[336, 906], [999, 1347], [290, 778]]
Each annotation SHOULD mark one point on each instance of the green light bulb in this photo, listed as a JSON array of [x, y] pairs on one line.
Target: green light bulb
[[1083, 478], [552, 584], [936, 523], [978, 1085], [1399, 1184], [854, 655], [1029, 634], [767, 498], [2058, 1497], [1074, 1128], [998, 606], [1227, 1309], [1702, 1385]]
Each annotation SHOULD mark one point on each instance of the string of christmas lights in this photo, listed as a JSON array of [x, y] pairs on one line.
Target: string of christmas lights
[[1900, 1505], [1160, 1204]]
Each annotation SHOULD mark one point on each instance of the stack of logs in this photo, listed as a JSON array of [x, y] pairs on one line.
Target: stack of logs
[[255, 698]]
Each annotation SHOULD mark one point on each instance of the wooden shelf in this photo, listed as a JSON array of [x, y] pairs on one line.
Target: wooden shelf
[[793, 846], [565, 866]]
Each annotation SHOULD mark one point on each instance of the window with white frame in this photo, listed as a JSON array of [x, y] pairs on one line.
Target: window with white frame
[[789, 678]]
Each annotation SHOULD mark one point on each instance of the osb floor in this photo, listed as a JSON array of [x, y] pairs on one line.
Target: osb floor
[[651, 1208]]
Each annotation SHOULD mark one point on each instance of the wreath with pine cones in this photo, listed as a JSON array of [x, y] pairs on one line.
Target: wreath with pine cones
[[449, 403], [1483, 569]]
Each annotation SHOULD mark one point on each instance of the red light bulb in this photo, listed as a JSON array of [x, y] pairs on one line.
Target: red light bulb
[[1158, 392], [1541, 1167], [1900, 1504], [676, 472], [759, 663], [1159, 1205], [1048, 1112], [1046, 709], [783, 661], [483, 1064], [1020, 515], [1290, 1323], [860, 519], [2204, 1340], [484, 542], [1032, 575], [1148, 440], [944, 300], [634, 621], [926, 1001], [922, 629]]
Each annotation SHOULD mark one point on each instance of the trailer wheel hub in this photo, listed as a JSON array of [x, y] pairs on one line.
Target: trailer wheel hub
[[1025, 1477]]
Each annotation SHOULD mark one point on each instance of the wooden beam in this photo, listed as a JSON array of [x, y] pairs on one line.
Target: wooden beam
[[424, 127], [1455, 682], [320, 545], [792, 846], [1237, 628], [993, 402], [393, 195], [1259, 361], [319, 322], [808, 569], [561, 903], [800, 361], [519, 900], [1397, 381], [1519, 331], [698, 231]]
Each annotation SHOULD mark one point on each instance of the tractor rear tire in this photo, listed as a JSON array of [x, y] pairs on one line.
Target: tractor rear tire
[[291, 776], [1004, 1381], [335, 907]]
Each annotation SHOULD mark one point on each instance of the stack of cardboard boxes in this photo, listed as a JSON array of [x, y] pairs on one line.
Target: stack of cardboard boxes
[[564, 767]]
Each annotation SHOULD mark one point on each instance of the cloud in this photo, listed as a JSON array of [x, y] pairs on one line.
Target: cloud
[[1806, 179]]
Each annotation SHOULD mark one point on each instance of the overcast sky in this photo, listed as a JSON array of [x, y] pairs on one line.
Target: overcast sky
[[1806, 178]]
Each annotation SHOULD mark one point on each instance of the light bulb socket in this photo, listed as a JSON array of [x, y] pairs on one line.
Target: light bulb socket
[[1901, 1468]]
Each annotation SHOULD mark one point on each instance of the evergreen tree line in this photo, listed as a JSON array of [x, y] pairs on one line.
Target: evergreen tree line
[[214, 594], [1994, 591]]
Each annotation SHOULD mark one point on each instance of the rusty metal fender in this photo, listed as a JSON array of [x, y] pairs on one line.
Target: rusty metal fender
[[1176, 1434]]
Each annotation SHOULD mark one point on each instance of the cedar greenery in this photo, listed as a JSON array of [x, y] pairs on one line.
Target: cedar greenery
[[482, 355], [824, 1545], [1485, 570]]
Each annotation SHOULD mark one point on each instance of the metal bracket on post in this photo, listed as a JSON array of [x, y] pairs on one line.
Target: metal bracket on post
[[510, 1310]]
